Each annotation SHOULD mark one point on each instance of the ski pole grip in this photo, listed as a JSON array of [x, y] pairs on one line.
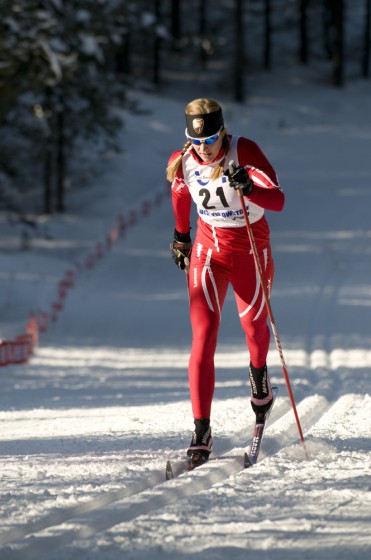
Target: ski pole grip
[[232, 168]]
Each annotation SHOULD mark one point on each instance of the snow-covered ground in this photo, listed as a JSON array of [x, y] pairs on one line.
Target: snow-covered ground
[[88, 423]]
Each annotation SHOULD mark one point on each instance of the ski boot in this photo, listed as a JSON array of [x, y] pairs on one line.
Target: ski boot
[[201, 443], [261, 391]]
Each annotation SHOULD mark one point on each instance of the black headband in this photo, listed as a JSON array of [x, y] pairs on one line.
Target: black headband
[[204, 125]]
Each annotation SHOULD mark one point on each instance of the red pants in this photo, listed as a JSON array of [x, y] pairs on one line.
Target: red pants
[[210, 274]]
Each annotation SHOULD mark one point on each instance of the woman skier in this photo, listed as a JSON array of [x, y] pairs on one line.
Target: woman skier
[[221, 253]]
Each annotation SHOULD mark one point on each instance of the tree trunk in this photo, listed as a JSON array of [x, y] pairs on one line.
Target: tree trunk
[[61, 161], [338, 55], [367, 41], [123, 55], [48, 160], [239, 69], [327, 27], [157, 44], [175, 23], [303, 48], [267, 34], [202, 31]]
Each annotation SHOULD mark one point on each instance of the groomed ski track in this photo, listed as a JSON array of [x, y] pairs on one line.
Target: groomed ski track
[[62, 527]]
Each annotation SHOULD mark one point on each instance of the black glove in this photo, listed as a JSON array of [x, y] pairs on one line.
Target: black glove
[[239, 179], [181, 249]]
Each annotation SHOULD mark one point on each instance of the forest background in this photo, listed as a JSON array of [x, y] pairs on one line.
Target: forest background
[[66, 69]]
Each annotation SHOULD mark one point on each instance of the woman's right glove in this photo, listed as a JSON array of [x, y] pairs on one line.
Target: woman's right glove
[[181, 249]]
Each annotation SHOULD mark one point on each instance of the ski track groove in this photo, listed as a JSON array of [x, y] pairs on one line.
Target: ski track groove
[[153, 493]]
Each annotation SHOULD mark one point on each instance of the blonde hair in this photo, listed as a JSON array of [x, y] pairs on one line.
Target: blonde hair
[[199, 107]]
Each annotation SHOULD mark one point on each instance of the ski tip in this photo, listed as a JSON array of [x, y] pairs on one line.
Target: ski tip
[[246, 461], [169, 471]]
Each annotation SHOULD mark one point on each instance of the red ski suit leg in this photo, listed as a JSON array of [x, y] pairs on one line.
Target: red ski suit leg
[[210, 273]]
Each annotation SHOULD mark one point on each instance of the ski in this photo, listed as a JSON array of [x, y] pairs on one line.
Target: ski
[[252, 452], [188, 465]]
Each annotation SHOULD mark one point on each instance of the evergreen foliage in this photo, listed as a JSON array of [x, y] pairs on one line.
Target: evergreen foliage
[[65, 66]]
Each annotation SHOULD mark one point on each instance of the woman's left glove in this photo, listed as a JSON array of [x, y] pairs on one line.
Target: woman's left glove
[[181, 249], [239, 180]]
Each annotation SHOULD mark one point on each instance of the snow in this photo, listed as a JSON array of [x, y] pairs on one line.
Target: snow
[[89, 422]]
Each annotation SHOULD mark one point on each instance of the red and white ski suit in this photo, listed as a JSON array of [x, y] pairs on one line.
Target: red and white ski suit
[[222, 254]]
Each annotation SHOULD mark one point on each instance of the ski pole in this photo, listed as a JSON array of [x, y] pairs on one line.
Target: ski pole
[[269, 309], [186, 271]]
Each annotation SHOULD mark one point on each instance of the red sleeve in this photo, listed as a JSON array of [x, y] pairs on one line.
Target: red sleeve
[[267, 192], [181, 199]]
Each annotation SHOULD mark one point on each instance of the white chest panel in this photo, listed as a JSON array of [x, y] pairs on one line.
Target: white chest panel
[[217, 203]]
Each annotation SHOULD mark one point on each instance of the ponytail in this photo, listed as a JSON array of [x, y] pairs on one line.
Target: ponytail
[[172, 169]]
